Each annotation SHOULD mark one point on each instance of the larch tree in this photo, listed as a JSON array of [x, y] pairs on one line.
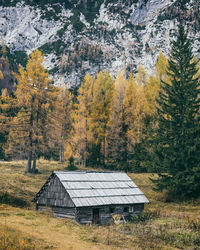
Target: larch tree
[[152, 86], [141, 76], [82, 119], [178, 133], [66, 122], [161, 68], [1, 74], [7, 112], [117, 132], [34, 97], [134, 108], [59, 122], [151, 92], [100, 113], [134, 119]]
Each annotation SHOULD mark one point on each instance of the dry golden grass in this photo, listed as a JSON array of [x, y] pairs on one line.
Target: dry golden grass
[[163, 225]]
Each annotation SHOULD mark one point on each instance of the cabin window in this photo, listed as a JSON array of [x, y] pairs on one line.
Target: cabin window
[[112, 210], [131, 209], [125, 209]]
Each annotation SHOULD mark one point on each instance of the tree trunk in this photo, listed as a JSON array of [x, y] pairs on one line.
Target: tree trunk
[[85, 159], [33, 170], [104, 145], [61, 154], [104, 148], [28, 166], [86, 146]]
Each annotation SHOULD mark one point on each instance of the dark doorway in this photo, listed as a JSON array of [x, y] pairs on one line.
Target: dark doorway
[[95, 218]]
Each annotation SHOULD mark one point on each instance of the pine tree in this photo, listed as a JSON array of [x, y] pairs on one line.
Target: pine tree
[[178, 133]]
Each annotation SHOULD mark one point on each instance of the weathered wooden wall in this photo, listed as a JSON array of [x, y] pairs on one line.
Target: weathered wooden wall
[[59, 211], [85, 214], [55, 195]]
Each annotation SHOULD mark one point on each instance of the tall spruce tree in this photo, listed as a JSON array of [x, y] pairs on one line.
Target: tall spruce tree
[[178, 133]]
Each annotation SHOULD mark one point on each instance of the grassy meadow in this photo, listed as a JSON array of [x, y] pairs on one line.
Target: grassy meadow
[[162, 226]]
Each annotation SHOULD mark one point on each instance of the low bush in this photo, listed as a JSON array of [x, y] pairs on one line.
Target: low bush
[[144, 216], [71, 166], [6, 198]]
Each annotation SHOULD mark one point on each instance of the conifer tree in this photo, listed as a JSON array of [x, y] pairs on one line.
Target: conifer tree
[[34, 98], [178, 133], [82, 119], [117, 133], [134, 119], [141, 76], [134, 110], [66, 122], [1, 75], [7, 112], [152, 86], [100, 113], [161, 68], [59, 121]]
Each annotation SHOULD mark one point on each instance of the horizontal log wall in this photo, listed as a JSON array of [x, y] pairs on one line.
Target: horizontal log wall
[[85, 214], [59, 211]]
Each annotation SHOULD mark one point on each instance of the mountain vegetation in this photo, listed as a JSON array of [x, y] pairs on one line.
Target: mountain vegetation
[[101, 85], [138, 123], [178, 131], [92, 36]]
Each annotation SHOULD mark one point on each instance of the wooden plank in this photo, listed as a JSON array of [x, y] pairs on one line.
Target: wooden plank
[[55, 194]]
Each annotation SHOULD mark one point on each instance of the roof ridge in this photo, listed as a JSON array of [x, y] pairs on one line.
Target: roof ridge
[[88, 171]]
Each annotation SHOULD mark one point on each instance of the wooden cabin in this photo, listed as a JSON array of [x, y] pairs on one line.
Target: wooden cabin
[[90, 196]]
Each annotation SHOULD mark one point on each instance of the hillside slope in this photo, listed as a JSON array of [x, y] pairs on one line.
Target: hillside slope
[[163, 225], [86, 35]]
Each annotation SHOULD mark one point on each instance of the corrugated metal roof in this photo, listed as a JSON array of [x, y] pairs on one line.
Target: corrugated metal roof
[[89, 188]]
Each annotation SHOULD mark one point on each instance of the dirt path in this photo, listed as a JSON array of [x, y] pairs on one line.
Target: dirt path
[[58, 233]]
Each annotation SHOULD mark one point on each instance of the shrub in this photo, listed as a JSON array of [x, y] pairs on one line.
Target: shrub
[[71, 166], [144, 216]]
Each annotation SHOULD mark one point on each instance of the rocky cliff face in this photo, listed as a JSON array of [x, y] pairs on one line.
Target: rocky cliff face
[[87, 36]]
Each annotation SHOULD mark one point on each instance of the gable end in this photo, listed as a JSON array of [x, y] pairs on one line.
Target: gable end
[[53, 193]]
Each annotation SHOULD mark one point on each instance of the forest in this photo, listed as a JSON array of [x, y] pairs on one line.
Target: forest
[[104, 125], [138, 123]]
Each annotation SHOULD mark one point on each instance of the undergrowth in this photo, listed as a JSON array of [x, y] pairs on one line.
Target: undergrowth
[[15, 240]]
